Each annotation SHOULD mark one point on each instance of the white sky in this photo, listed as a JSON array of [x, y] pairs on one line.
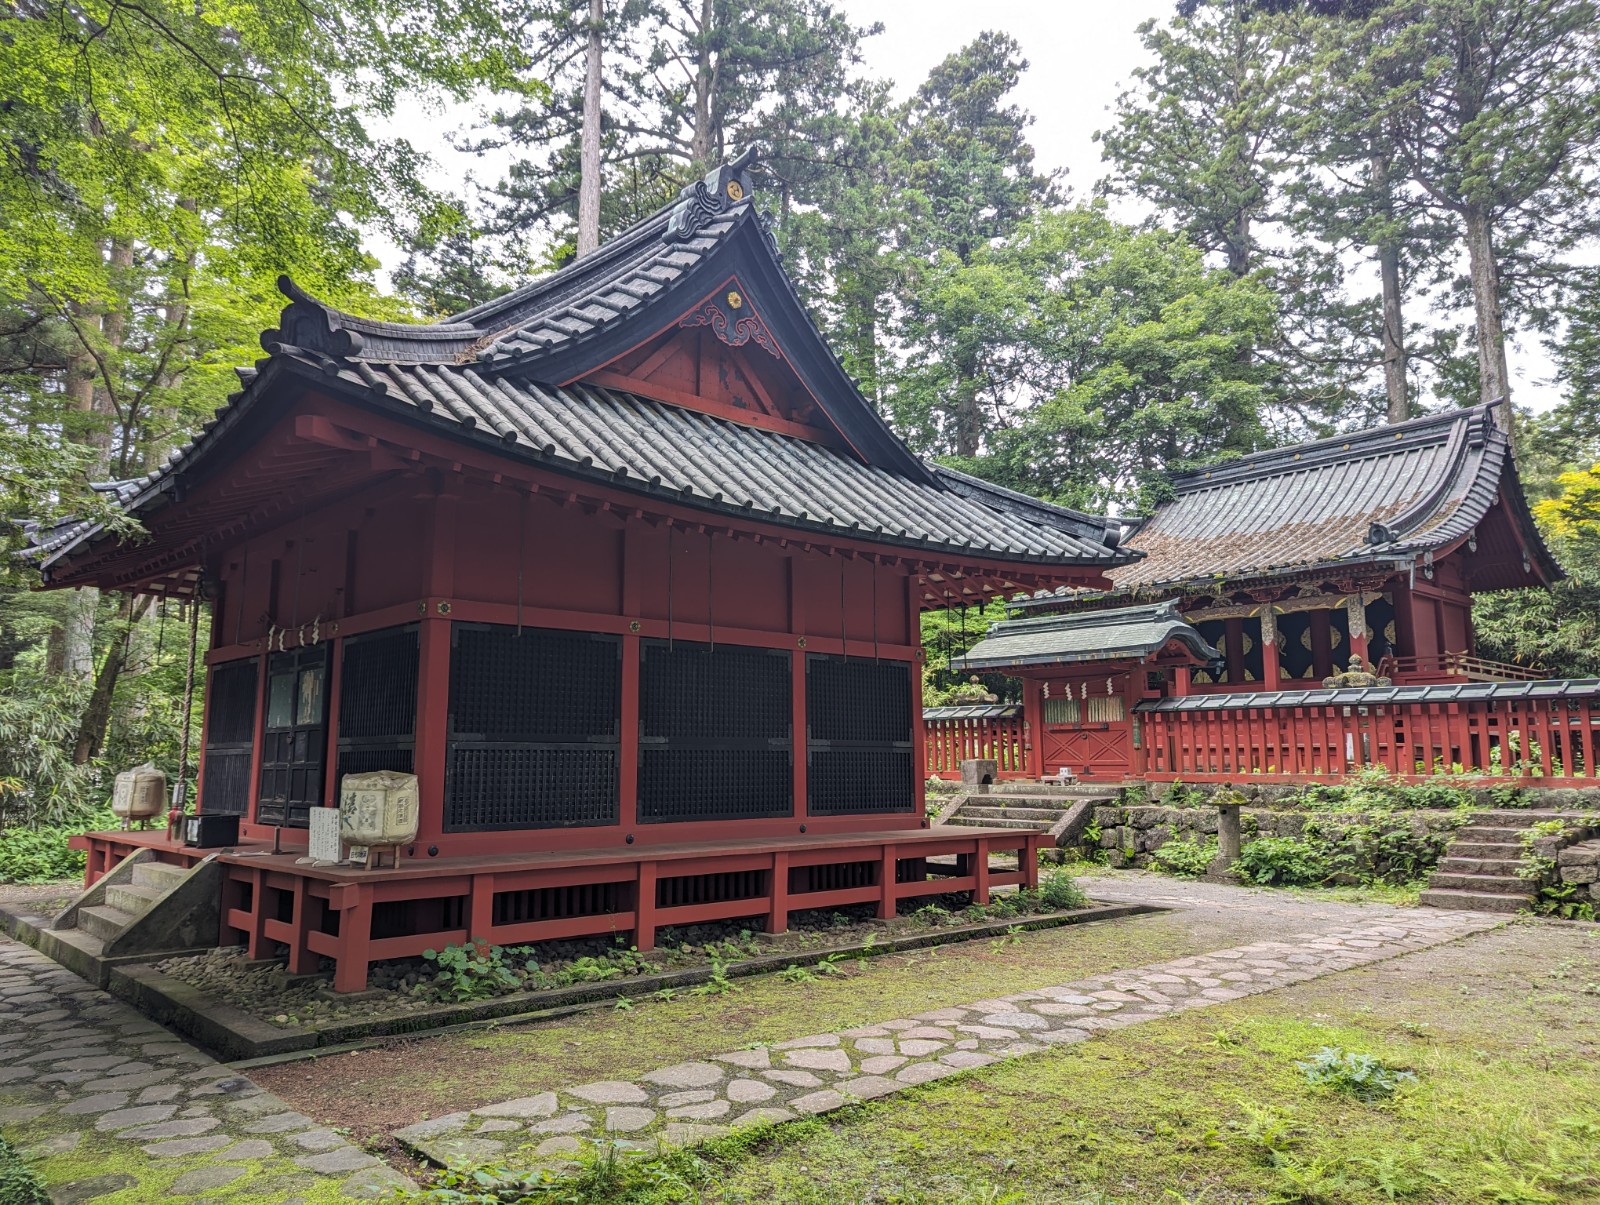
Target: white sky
[[1080, 55]]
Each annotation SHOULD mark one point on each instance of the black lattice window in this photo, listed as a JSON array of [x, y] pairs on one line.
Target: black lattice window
[[378, 701], [230, 737], [716, 731], [859, 729], [534, 720]]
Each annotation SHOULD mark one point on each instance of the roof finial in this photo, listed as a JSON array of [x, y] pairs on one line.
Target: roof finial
[[723, 187]]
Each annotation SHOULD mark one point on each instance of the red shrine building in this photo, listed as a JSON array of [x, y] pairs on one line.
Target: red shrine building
[[1265, 577], [621, 565]]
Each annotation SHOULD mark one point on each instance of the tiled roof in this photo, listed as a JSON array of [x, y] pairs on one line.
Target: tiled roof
[[1087, 636], [1563, 688], [586, 298], [974, 711], [683, 455], [494, 374], [1387, 494]]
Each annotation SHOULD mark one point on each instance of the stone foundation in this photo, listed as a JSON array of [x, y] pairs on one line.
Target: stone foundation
[[1129, 836]]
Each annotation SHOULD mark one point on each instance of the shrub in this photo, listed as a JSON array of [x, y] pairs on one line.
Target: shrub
[[1186, 859], [18, 1184], [1362, 1075], [474, 971], [40, 855], [1281, 862], [1058, 893]]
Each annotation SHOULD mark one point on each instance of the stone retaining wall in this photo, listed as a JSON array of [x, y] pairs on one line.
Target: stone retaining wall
[[1130, 835], [1579, 865], [1268, 794]]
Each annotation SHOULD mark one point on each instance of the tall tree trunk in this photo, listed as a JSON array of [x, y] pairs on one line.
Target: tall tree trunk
[[700, 145], [589, 175], [77, 629], [1240, 244], [1494, 378], [1394, 326], [91, 736]]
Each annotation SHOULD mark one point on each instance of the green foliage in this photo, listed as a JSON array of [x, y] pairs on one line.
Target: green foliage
[[1374, 789], [719, 983], [40, 855], [1058, 893], [1281, 862], [1376, 851], [1363, 1076], [19, 1185], [475, 971], [1132, 354], [1186, 859], [948, 633], [1559, 628]]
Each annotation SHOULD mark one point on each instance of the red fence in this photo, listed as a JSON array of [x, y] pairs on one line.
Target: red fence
[[1554, 741], [956, 734]]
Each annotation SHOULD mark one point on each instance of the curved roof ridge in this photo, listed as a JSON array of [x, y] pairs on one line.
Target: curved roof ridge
[[1025, 504], [1371, 441]]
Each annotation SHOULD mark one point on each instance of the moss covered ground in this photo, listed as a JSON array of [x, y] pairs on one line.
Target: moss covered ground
[[1502, 1031], [111, 1172], [374, 1091]]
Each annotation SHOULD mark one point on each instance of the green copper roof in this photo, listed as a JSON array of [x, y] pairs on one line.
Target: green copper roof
[[1089, 636]]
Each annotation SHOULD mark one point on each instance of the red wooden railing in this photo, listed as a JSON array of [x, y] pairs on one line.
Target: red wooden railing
[[954, 738], [1457, 665], [1550, 741]]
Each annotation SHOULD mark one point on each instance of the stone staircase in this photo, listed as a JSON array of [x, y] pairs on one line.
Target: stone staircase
[[141, 907], [126, 902], [1479, 870], [1040, 807]]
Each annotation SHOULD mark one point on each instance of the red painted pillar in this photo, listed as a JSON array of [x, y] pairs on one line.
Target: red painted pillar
[[644, 909], [330, 779], [480, 908], [980, 872], [1271, 670], [1356, 622], [1033, 725], [886, 883], [302, 961], [355, 941], [256, 938], [628, 738], [778, 908]]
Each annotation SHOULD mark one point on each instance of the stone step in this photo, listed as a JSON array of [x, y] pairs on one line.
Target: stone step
[[103, 921], [1485, 849], [163, 876], [1473, 901], [1510, 818], [1082, 790], [1463, 864], [1037, 815], [961, 821], [132, 898], [1488, 884], [1484, 835]]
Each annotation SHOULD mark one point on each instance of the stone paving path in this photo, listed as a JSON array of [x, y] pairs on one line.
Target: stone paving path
[[82, 1074], [695, 1101]]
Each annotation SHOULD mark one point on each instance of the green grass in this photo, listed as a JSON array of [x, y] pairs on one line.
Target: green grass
[[1210, 1106], [454, 1071]]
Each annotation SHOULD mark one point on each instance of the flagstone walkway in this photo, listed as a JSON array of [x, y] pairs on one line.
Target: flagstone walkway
[[87, 1082], [695, 1101]]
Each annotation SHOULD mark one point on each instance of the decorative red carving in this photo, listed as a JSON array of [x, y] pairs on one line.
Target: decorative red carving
[[734, 332]]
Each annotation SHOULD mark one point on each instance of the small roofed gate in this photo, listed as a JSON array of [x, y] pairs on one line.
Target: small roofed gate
[[1087, 728]]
